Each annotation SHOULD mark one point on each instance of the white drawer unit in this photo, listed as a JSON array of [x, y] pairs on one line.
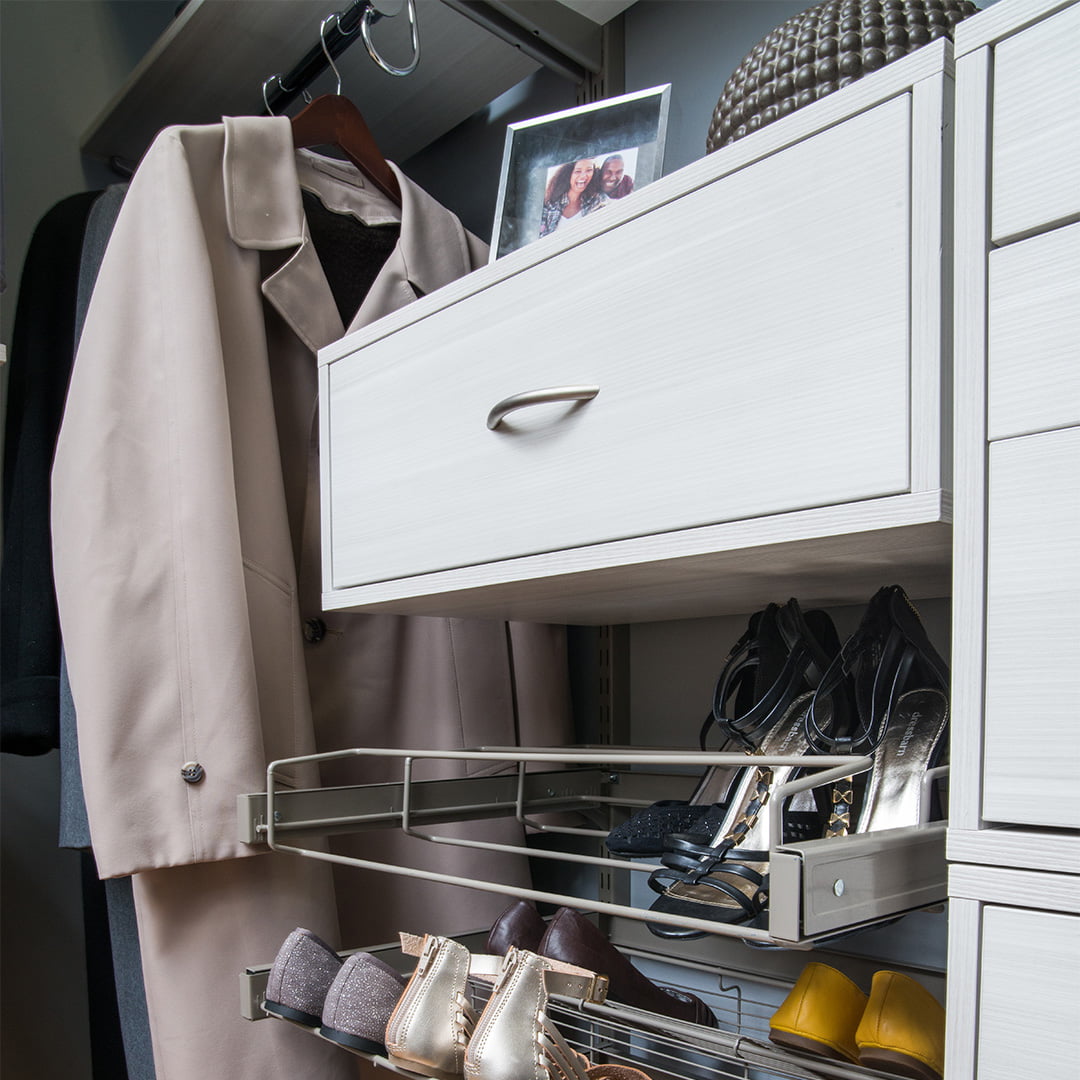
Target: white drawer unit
[[1014, 827], [1029, 996], [750, 345], [1036, 127], [1034, 334], [1013, 991], [1033, 631], [765, 340]]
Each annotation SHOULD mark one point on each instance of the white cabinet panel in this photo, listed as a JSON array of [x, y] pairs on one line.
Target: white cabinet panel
[[751, 344], [1034, 334], [1029, 994], [1032, 739], [1036, 134]]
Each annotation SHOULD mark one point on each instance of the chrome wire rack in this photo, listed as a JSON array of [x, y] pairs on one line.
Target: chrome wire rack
[[818, 887]]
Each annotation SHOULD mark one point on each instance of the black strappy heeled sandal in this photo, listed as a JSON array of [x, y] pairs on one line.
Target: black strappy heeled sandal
[[721, 874], [782, 653], [724, 877], [887, 694]]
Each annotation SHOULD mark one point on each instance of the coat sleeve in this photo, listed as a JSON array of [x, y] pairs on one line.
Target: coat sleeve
[[154, 591]]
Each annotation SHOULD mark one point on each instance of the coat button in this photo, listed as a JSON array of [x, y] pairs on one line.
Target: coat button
[[314, 631], [192, 772]]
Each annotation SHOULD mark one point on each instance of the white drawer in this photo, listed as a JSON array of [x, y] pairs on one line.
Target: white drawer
[[1034, 334], [1032, 739], [1036, 127], [751, 344], [1029, 994]]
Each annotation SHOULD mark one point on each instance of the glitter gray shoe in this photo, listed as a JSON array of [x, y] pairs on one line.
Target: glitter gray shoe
[[359, 1003], [302, 974]]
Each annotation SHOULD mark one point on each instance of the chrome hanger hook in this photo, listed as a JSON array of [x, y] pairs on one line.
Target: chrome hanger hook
[[305, 94], [266, 83], [336, 16], [365, 30]]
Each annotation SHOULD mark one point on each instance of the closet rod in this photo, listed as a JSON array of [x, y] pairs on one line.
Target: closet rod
[[344, 30], [285, 90]]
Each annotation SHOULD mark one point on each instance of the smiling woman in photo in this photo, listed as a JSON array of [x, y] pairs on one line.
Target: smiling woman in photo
[[573, 191]]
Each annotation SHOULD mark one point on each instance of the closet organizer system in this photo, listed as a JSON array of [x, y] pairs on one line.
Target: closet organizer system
[[912, 241], [823, 238]]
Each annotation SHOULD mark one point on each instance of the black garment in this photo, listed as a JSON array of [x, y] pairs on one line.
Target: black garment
[[352, 253], [42, 352]]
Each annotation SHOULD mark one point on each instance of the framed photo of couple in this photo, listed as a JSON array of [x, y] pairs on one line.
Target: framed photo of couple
[[567, 165]]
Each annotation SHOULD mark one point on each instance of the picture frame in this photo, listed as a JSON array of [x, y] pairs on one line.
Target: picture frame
[[538, 188]]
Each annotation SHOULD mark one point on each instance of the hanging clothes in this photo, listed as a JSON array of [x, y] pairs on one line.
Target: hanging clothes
[[42, 351], [186, 544]]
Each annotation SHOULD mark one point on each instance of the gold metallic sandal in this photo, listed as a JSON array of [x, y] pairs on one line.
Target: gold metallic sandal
[[431, 1025]]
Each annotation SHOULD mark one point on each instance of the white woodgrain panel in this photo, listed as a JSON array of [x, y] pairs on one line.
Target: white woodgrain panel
[[1005, 17], [751, 344], [1034, 334], [829, 557], [931, 209], [1019, 888], [1036, 146], [962, 1000], [969, 467], [1032, 739], [1029, 995], [1053, 850]]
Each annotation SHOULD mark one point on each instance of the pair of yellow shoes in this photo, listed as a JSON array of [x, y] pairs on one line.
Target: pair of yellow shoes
[[899, 1028]]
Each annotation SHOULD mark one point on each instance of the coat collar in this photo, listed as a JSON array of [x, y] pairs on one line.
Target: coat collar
[[263, 177]]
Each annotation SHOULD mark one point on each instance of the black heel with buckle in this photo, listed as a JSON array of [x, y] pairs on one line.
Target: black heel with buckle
[[887, 694], [782, 653], [722, 874]]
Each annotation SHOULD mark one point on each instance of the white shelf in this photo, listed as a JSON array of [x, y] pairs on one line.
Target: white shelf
[[213, 59]]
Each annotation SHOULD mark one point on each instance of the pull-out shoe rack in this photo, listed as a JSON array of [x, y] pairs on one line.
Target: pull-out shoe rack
[[819, 889], [738, 1048]]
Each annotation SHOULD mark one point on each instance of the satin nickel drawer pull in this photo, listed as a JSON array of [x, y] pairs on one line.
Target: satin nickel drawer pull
[[539, 397]]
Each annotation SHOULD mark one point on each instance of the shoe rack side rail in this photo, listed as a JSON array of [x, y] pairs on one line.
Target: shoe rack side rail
[[818, 887]]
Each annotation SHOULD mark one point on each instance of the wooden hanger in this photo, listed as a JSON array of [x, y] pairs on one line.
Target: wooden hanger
[[333, 120]]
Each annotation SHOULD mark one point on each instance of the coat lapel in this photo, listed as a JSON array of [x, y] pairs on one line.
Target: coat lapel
[[263, 179]]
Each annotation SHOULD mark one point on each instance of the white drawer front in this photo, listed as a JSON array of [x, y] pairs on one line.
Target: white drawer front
[[1034, 334], [1036, 131], [750, 341], [1032, 738], [1029, 994]]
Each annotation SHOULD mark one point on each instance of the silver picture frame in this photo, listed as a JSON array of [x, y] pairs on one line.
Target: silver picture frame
[[545, 161]]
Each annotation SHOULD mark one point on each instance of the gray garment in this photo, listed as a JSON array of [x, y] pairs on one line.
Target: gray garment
[[74, 826], [127, 969]]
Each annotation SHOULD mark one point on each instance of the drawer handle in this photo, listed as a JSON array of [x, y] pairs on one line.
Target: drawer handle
[[539, 397]]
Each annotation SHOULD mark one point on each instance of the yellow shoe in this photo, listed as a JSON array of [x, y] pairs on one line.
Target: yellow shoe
[[820, 1014], [903, 1029]]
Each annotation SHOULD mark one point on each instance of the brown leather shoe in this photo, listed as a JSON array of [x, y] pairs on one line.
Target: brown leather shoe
[[519, 925], [574, 939]]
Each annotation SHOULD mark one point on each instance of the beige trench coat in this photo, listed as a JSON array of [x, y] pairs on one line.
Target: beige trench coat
[[185, 531]]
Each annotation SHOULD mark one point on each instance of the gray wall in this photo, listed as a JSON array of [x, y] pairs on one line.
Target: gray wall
[[695, 46], [692, 44]]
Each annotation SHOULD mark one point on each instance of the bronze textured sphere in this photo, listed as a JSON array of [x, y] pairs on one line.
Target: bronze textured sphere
[[819, 51]]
